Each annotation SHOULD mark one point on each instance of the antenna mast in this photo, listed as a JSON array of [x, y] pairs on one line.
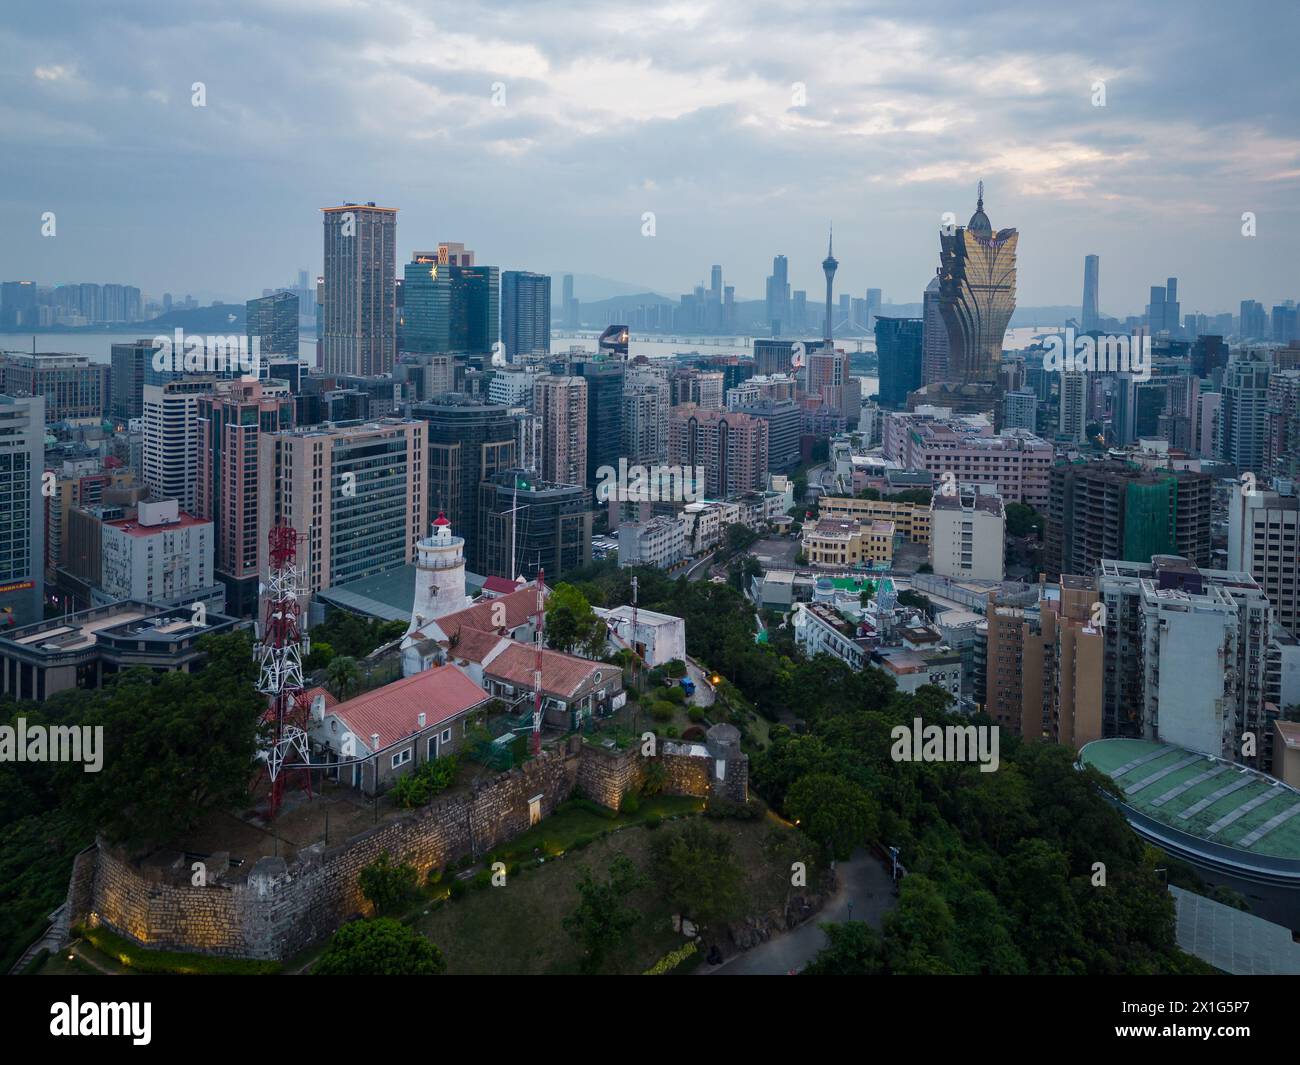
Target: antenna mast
[[537, 662], [280, 657]]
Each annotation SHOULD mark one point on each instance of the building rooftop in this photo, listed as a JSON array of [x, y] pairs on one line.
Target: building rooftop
[[393, 711], [562, 675], [133, 527], [1215, 801], [1234, 942]]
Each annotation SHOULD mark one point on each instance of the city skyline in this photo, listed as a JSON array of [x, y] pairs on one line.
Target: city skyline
[[510, 112]]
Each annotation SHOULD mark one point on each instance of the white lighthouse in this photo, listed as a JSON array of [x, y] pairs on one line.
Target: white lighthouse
[[439, 590]]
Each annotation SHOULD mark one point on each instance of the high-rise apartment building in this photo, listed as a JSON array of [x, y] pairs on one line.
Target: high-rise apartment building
[[1282, 445], [1043, 672], [1072, 423], [604, 436], [1020, 409], [645, 424], [1186, 652], [967, 534], [1244, 413], [73, 386], [356, 494], [525, 313], [163, 555], [1116, 510], [358, 327], [560, 404], [171, 440], [233, 417], [1264, 541], [22, 528], [1014, 462], [731, 447]]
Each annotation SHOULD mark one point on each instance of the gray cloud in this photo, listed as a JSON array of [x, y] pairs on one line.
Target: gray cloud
[[684, 109]]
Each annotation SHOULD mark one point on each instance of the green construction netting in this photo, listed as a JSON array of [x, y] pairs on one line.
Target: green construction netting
[[1148, 520]]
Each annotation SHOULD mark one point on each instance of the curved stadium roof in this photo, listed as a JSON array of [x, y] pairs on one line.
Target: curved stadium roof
[[1203, 808]]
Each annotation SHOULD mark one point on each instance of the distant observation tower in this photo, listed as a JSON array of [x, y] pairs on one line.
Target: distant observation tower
[[829, 266]]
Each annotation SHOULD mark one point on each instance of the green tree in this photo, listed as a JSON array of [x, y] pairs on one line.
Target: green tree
[[379, 947], [852, 949], [176, 747], [319, 657], [571, 625], [604, 918], [1023, 520], [697, 872], [343, 676], [386, 885], [739, 537], [834, 812]]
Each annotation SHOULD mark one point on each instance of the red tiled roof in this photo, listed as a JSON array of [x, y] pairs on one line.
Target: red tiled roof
[[393, 710], [562, 674], [519, 606], [309, 696], [501, 585], [473, 645]]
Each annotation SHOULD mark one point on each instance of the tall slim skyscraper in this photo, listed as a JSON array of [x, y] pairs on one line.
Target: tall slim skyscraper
[[359, 325], [525, 313], [977, 295], [1073, 411], [898, 347], [778, 295], [1244, 414], [829, 266], [1091, 315], [171, 439], [560, 404], [934, 337]]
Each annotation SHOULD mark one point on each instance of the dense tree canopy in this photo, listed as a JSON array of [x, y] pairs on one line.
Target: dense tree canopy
[[571, 625]]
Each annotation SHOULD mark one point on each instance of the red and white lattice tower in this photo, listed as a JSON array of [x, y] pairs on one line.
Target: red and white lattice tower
[[537, 662], [280, 656]]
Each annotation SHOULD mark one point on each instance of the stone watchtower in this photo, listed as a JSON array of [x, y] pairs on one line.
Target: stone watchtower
[[729, 766]]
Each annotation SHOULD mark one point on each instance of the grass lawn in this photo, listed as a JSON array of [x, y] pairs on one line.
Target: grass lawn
[[517, 928], [574, 821], [59, 964]]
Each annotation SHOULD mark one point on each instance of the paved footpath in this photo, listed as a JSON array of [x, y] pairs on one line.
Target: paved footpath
[[863, 881]]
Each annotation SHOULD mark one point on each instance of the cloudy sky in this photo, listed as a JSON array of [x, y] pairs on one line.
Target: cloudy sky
[[604, 111]]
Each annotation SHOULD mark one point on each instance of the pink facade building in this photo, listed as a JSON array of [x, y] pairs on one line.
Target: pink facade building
[[1016, 462]]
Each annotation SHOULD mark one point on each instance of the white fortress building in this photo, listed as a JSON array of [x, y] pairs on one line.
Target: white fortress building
[[439, 589]]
